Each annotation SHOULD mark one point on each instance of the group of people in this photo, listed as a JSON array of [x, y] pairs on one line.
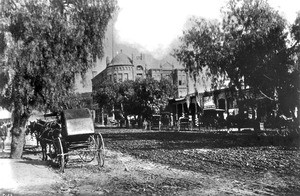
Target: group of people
[[3, 134]]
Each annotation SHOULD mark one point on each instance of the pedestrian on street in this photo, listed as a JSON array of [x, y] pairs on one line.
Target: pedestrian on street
[[3, 134], [145, 123]]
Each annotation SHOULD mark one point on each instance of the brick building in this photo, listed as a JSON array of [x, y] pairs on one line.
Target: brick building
[[123, 67]]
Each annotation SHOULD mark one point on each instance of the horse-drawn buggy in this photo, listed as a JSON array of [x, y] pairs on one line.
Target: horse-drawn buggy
[[72, 133], [156, 122]]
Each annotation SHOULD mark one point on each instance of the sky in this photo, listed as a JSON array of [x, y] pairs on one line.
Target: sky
[[153, 25]]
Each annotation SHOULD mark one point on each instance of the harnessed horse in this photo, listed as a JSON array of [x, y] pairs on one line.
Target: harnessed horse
[[45, 133]]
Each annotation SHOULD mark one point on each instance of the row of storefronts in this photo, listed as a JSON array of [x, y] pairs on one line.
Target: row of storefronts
[[204, 107], [215, 108]]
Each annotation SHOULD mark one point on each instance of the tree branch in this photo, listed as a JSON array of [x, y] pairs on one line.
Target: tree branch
[[266, 95]]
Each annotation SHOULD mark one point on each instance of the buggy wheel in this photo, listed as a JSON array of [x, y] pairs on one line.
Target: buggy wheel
[[88, 154], [61, 156], [100, 150]]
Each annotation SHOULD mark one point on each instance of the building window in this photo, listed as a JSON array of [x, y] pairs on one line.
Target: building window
[[139, 67], [157, 77], [125, 76], [115, 77], [183, 79], [120, 77], [179, 80]]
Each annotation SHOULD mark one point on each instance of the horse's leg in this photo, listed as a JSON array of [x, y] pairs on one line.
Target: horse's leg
[[37, 141], [43, 145], [42, 151], [45, 153], [48, 151]]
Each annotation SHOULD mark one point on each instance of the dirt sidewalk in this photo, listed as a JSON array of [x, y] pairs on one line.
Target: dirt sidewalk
[[27, 176]]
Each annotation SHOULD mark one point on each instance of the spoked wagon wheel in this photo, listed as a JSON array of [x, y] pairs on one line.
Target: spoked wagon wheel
[[57, 153], [100, 150], [88, 154], [62, 156]]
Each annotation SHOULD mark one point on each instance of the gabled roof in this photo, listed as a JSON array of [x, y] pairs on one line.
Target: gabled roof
[[167, 66]]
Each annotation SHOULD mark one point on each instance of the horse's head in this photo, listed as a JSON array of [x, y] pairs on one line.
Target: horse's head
[[30, 128], [38, 127]]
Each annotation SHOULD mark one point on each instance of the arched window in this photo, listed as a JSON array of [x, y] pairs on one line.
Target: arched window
[[120, 77], [139, 67], [115, 77], [125, 76]]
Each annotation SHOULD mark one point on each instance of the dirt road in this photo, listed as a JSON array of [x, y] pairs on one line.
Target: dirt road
[[122, 175], [127, 174]]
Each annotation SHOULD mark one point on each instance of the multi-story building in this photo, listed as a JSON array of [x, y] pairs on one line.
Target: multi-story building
[[122, 68], [200, 104], [180, 78], [177, 75]]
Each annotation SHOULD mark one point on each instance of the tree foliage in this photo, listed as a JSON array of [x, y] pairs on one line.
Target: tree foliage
[[48, 44], [200, 48], [255, 51], [142, 97], [251, 47]]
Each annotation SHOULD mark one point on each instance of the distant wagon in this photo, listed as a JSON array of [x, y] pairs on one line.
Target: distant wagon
[[166, 120], [184, 124], [156, 122]]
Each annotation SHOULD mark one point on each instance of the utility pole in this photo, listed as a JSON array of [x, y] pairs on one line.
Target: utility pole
[[112, 40]]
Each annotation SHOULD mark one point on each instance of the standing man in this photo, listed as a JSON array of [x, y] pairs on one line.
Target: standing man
[[3, 134]]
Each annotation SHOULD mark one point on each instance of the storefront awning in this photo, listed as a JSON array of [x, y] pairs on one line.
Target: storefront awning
[[214, 109]]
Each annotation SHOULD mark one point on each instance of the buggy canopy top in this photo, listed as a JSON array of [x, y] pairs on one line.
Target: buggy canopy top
[[77, 121]]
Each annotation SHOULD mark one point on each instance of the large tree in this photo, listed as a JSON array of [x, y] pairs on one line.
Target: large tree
[[295, 73], [250, 47], [255, 49], [141, 98], [48, 43], [200, 48]]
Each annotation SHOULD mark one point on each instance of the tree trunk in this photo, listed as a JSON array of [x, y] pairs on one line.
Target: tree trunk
[[17, 143], [18, 136]]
